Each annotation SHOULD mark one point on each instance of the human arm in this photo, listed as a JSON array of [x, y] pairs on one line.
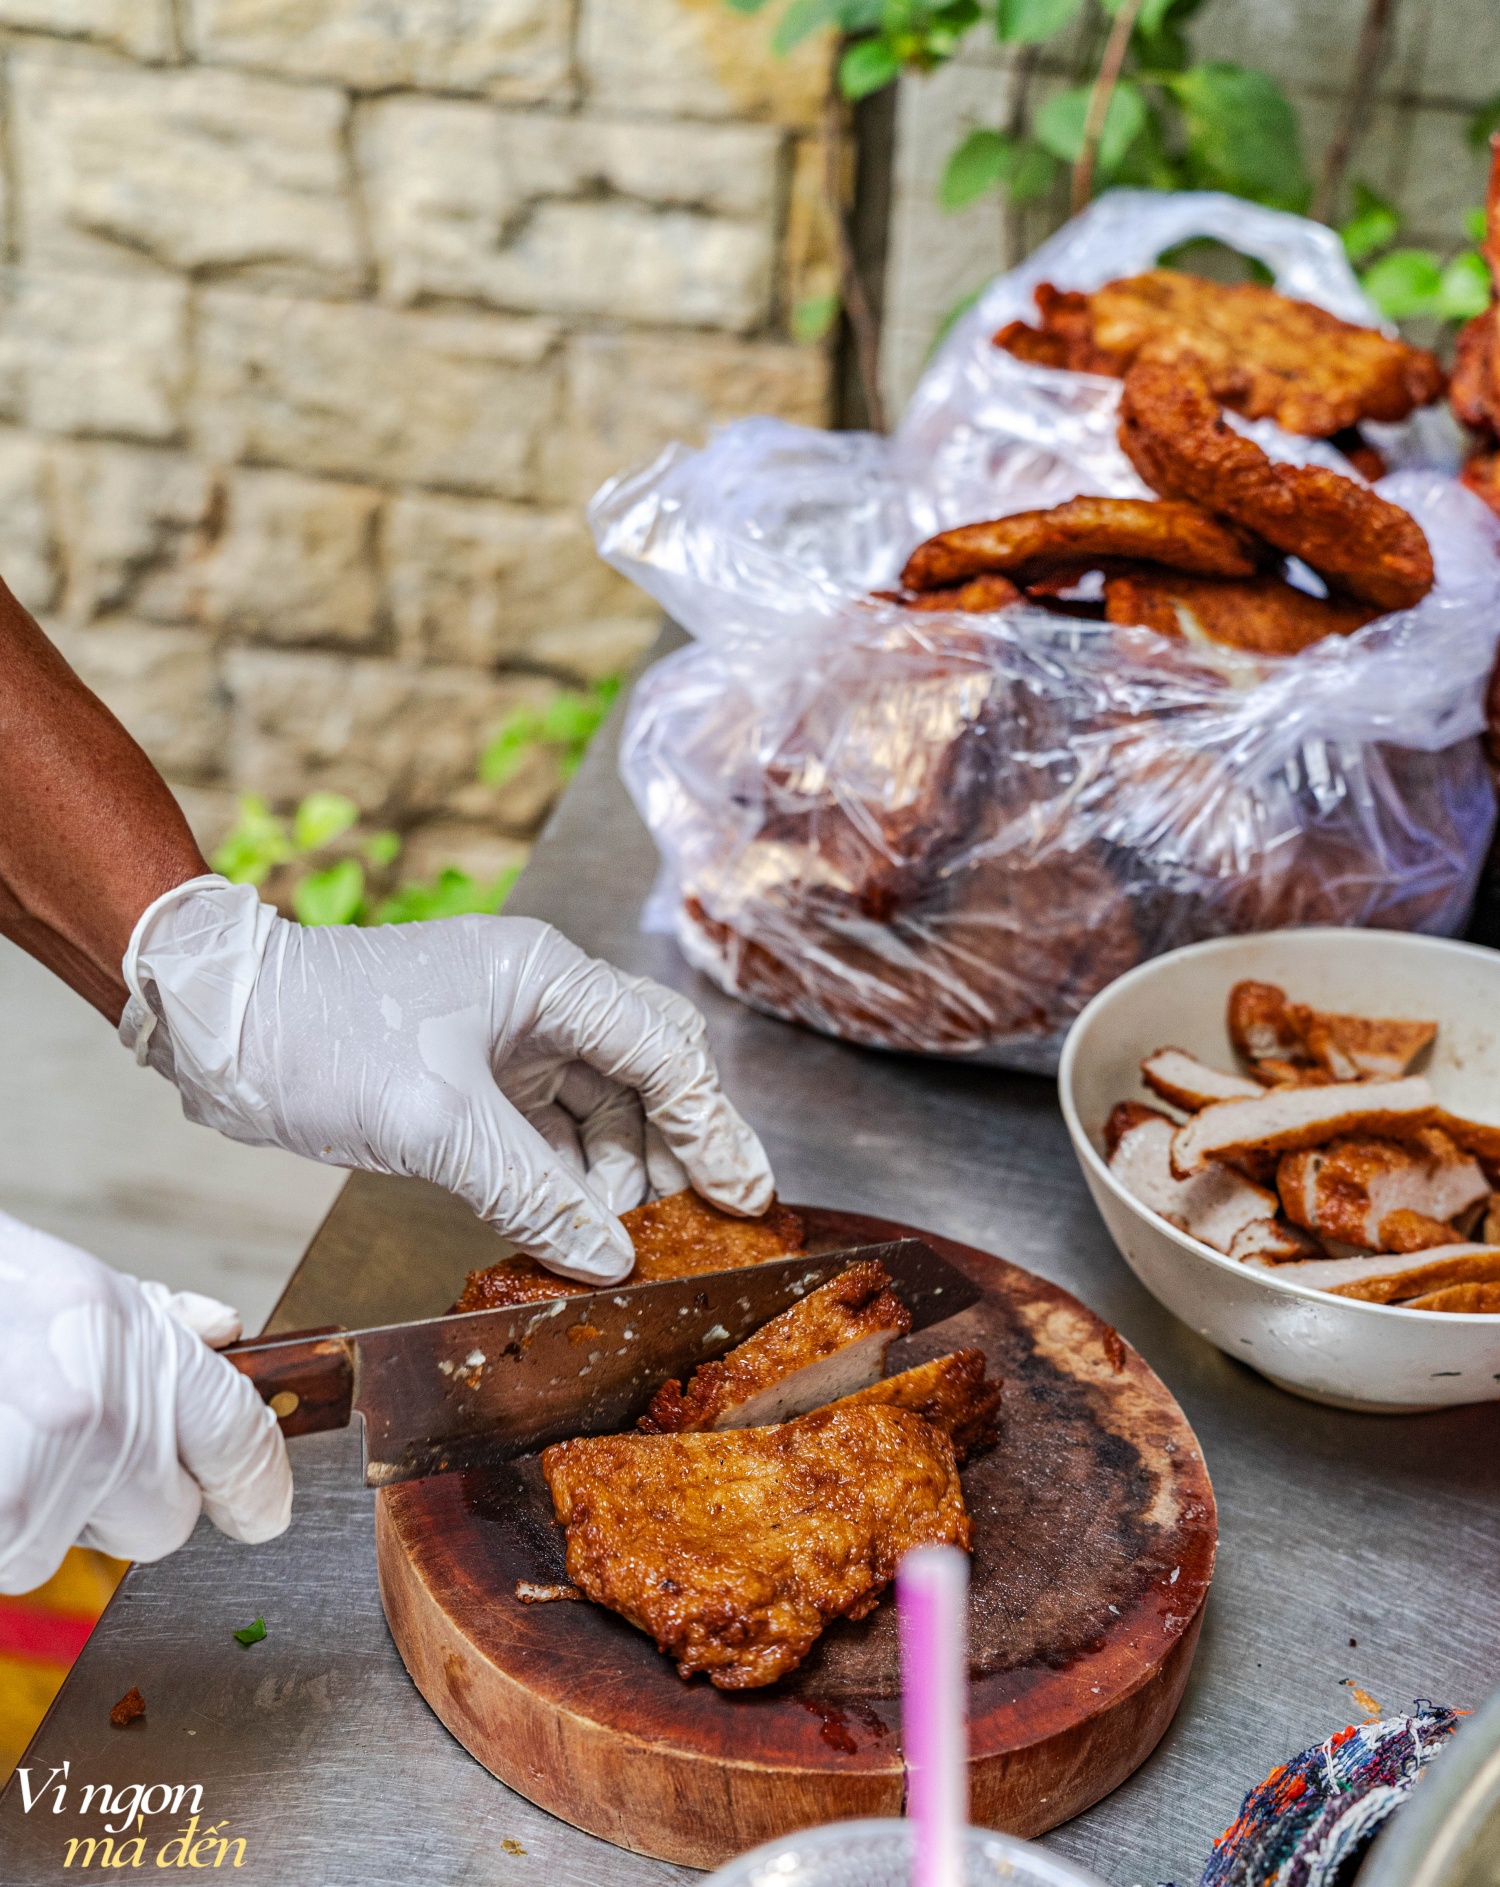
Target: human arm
[[91, 833]]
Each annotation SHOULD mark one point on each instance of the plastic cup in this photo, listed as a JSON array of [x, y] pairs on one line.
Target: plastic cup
[[881, 1854]]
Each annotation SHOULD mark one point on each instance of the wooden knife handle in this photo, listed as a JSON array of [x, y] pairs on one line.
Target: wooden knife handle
[[307, 1376]]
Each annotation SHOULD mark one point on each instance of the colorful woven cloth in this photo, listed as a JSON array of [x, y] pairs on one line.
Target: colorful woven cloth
[[1311, 1820]]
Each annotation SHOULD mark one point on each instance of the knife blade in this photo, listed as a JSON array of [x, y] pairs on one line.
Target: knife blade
[[480, 1388]]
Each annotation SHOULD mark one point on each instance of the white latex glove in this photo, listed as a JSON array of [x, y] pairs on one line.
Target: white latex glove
[[488, 1054], [117, 1422]]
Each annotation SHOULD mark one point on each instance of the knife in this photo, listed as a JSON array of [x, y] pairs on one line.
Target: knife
[[478, 1389]]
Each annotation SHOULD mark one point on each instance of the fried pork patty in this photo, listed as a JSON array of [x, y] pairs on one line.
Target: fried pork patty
[[1174, 435], [1084, 533], [676, 1237], [832, 1342], [1262, 615], [734, 1550], [1262, 353]]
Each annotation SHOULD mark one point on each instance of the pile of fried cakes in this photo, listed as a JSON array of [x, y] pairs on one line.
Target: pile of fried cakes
[[1207, 561]]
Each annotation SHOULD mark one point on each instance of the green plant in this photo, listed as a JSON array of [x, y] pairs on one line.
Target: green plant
[[1406, 283], [1143, 112], [567, 724], [453, 893], [337, 892]]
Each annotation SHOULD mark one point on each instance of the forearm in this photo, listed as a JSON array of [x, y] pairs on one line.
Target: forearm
[[89, 832]]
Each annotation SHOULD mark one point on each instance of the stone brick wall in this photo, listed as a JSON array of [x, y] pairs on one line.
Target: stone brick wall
[[1443, 60], [322, 319]]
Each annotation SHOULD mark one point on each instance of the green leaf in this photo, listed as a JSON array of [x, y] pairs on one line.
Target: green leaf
[[1464, 290], [1148, 164], [1151, 18], [1060, 123], [1477, 224], [1374, 224], [320, 819], [800, 21], [1484, 123], [381, 849], [1158, 42], [573, 719], [813, 317], [1028, 22], [745, 6], [867, 66], [252, 1634], [1033, 174], [334, 896], [1242, 134], [1404, 283], [980, 164], [453, 893], [509, 746], [257, 843]]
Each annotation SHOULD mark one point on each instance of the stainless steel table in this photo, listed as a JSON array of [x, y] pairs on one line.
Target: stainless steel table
[[314, 1747]]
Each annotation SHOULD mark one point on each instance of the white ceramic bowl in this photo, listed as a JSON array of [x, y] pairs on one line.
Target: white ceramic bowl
[[1374, 1357]]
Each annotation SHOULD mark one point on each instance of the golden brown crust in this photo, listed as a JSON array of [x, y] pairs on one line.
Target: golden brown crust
[[1083, 533], [676, 1237], [857, 1304], [1404, 1230], [978, 597], [1474, 391], [683, 1235], [1122, 1117], [1175, 436], [1293, 1120], [1482, 476], [1353, 1048], [1353, 1189], [952, 1392], [734, 1550], [1394, 1287], [1262, 615], [1458, 1297], [1259, 1025], [1263, 353], [1065, 337]]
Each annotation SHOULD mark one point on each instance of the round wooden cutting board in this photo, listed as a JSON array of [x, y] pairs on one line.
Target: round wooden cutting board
[[1094, 1544]]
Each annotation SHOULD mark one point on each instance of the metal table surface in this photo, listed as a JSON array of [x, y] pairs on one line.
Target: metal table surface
[[314, 1747]]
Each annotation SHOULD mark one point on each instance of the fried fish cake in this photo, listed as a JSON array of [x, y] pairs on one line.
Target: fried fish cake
[[1263, 353], [1262, 615], [676, 1237], [1084, 532], [977, 597], [1177, 439], [734, 1550], [1065, 337]]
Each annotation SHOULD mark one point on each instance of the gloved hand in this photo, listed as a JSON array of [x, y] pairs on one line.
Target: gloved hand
[[488, 1054], [117, 1422]]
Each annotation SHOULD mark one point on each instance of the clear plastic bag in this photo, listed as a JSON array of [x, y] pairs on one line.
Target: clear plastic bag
[[944, 833]]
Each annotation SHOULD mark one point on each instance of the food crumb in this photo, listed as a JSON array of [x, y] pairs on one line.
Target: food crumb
[[128, 1710], [252, 1633], [509, 1846], [530, 1593], [1366, 1702], [1353, 1644]]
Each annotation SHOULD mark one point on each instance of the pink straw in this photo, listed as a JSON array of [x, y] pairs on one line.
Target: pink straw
[[932, 1593]]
